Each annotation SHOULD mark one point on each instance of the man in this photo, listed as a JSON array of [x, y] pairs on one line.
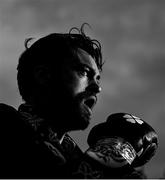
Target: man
[[59, 80]]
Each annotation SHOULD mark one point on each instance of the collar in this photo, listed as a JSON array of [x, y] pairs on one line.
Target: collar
[[37, 123], [43, 132]]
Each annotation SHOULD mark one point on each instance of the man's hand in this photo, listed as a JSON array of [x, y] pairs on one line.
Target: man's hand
[[122, 140]]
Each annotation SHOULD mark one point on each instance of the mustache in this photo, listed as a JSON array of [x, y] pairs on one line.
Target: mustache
[[85, 95]]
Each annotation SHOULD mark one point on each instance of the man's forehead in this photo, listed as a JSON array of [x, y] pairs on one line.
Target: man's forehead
[[86, 59]]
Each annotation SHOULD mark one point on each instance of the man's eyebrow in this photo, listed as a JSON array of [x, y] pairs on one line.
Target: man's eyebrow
[[87, 66], [82, 65], [91, 69]]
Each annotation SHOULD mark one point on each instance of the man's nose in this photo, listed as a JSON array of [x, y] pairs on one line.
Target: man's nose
[[94, 87]]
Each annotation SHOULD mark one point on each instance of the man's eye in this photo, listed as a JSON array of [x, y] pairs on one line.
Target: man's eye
[[84, 72]]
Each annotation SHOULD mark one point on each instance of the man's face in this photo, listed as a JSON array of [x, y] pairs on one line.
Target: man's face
[[80, 86]]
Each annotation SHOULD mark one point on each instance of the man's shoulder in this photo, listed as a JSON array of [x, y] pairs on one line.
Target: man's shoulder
[[15, 137], [18, 153], [10, 121], [7, 110], [8, 118]]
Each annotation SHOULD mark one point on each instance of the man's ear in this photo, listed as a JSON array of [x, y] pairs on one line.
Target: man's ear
[[42, 75]]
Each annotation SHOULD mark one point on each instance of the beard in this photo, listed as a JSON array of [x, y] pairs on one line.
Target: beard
[[77, 114], [73, 114], [68, 112], [81, 116]]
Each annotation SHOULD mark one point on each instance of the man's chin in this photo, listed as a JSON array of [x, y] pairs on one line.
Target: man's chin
[[80, 119], [83, 123], [84, 126]]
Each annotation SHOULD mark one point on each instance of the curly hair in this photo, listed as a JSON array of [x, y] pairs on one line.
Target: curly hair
[[54, 49]]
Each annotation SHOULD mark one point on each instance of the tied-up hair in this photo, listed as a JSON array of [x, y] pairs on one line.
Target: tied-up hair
[[53, 49]]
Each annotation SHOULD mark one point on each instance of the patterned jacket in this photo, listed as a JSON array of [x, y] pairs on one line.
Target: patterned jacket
[[30, 149]]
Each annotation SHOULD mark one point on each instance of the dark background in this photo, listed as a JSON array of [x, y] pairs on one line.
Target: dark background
[[132, 33]]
